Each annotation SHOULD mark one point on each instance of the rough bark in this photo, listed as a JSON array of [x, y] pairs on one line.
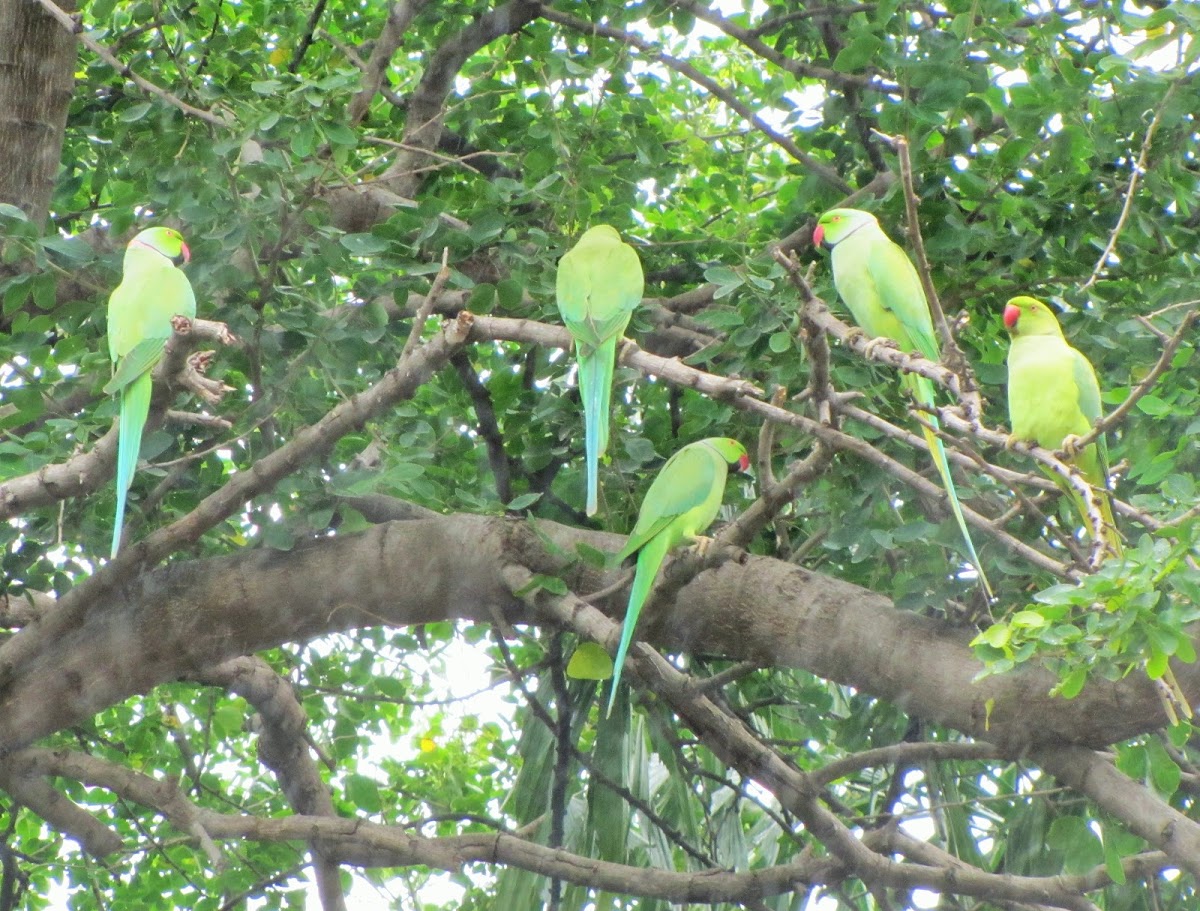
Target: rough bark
[[37, 62], [183, 618]]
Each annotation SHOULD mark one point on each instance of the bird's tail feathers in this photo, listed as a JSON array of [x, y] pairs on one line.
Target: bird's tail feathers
[[135, 406], [1112, 538], [595, 388], [649, 561], [943, 466]]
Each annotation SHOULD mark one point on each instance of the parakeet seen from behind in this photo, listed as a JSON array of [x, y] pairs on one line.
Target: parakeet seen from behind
[[599, 284]]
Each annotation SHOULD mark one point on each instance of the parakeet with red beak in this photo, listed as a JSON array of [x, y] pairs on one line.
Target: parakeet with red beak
[[681, 503], [1053, 396], [880, 286]]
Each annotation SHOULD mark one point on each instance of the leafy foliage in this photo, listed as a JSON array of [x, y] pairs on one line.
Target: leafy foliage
[[1054, 153]]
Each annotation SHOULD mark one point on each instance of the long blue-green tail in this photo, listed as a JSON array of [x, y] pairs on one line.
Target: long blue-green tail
[[922, 390], [135, 406], [595, 388], [649, 560]]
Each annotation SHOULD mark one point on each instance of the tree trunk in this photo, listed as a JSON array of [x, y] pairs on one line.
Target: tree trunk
[[37, 63]]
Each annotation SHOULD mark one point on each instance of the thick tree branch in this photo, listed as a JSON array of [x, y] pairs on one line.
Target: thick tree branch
[[400, 16], [1139, 808], [283, 746], [191, 615], [426, 107], [399, 383], [736, 745]]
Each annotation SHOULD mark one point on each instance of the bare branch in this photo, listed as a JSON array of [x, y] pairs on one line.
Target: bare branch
[[400, 16], [798, 68], [284, 749], [1139, 168], [1141, 810]]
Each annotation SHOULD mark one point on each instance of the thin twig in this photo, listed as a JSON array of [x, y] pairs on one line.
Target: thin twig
[[1118, 414], [418, 326], [75, 27], [706, 82], [1139, 168]]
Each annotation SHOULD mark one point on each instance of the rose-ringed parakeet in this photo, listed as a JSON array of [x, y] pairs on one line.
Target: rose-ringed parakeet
[[681, 503], [599, 284], [881, 288], [1053, 399], [1053, 396], [152, 291]]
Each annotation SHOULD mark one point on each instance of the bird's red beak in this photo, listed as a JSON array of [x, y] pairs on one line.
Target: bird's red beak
[[1012, 313], [818, 235], [744, 463], [187, 254]]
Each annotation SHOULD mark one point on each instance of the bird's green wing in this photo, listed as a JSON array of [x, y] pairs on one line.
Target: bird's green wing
[[901, 294], [599, 285], [1089, 401], [140, 359], [150, 294]]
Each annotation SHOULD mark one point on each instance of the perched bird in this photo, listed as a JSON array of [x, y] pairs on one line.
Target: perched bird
[[881, 288], [599, 284], [1053, 399], [152, 291], [681, 503]]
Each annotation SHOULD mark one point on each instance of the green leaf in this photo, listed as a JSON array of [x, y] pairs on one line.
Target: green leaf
[[525, 500], [364, 244], [858, 53], [135, 112], [590, 662]]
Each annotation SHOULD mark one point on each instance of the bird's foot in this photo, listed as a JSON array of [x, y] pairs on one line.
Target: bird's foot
[[1011, 441], [181, 324], [200, 361], [1070, 445], [881, 342], [854, 334], [701, 543]]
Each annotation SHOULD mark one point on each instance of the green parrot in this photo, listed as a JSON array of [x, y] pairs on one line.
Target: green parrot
[[681, 503], [1053, 397], [881, 288], [599, 284], [152, 291]]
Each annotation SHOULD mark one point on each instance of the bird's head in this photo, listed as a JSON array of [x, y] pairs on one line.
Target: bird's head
[[731, 451], [164, 241], [1030, 316], [838, 224]]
